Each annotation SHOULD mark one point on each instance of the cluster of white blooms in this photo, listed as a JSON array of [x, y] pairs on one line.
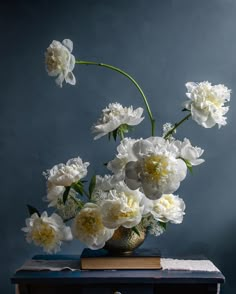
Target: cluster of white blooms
[[145, 172], [154, 227], [60, 62], [70, 208], [47, 232], [114, 116], [207, 103], [155, 165]]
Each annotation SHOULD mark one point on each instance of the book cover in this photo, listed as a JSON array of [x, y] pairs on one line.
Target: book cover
[[103, 259]]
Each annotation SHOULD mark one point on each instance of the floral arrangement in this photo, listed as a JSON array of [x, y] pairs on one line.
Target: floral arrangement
[[143, 176]]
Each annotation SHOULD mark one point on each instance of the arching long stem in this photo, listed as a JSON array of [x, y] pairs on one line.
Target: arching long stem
[[132, 80]]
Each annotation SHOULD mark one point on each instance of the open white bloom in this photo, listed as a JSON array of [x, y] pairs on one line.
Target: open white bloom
[[66, 174], [124, 155], [207, 103], [89, 228], [169, 208], [47, 232], [157, 169], [60, 62], [114, 116], [122, 207], [188, 152]]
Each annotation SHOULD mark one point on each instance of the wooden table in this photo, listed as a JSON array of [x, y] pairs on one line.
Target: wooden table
[[116, 281]]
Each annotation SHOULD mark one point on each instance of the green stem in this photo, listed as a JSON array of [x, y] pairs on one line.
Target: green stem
[[132, 80], [168, 134], [122, 135]]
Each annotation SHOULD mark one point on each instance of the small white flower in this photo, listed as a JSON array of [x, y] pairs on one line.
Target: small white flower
[[47, 232], [188, 152], [66, 174], [153, 226], [157, 169], [114, 116], [69, 209], [60, 62], [122, 207], [88, 227], [207, 103], [166, 128], [169, 208]]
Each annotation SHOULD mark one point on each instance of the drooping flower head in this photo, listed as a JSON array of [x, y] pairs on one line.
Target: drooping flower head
[[47, 232], [207, 103], [116, 117], [89, 228], [60, 62]]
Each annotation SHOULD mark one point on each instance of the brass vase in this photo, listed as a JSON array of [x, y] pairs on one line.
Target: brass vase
[[124, 241]]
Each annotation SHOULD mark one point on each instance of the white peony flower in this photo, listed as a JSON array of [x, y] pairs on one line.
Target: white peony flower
[[124, 155], [169, 208], [207, 103], [66, 174], [188, 152], [88, 227], [47, 232], [60, 62], [114, 116], [157, 169], [122, 207]]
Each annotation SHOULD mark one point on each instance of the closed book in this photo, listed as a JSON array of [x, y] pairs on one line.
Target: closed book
[[103, 260]]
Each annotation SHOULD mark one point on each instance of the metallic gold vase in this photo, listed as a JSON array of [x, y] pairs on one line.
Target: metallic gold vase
[[125, 240]]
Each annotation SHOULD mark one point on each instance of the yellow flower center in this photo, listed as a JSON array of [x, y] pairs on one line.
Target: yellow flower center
[[213, 100], [90, 222], [43, 234], [156, 167], [167, 201]]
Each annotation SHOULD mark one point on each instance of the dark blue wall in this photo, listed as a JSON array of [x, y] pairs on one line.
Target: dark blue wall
[[163, 44]]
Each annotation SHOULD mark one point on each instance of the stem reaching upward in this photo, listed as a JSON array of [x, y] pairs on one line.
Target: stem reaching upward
[[132, 80], [168, 134]]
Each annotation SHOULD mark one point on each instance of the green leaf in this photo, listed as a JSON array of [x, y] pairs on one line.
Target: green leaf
[[188, 164], [32, 210], [114, 133], [136, 231], [163, 225], [78, 187], [92, 185], [65, 194]]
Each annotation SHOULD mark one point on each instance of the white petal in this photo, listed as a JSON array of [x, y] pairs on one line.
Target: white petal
[[59, 80], [68, 44], [70, 78]]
